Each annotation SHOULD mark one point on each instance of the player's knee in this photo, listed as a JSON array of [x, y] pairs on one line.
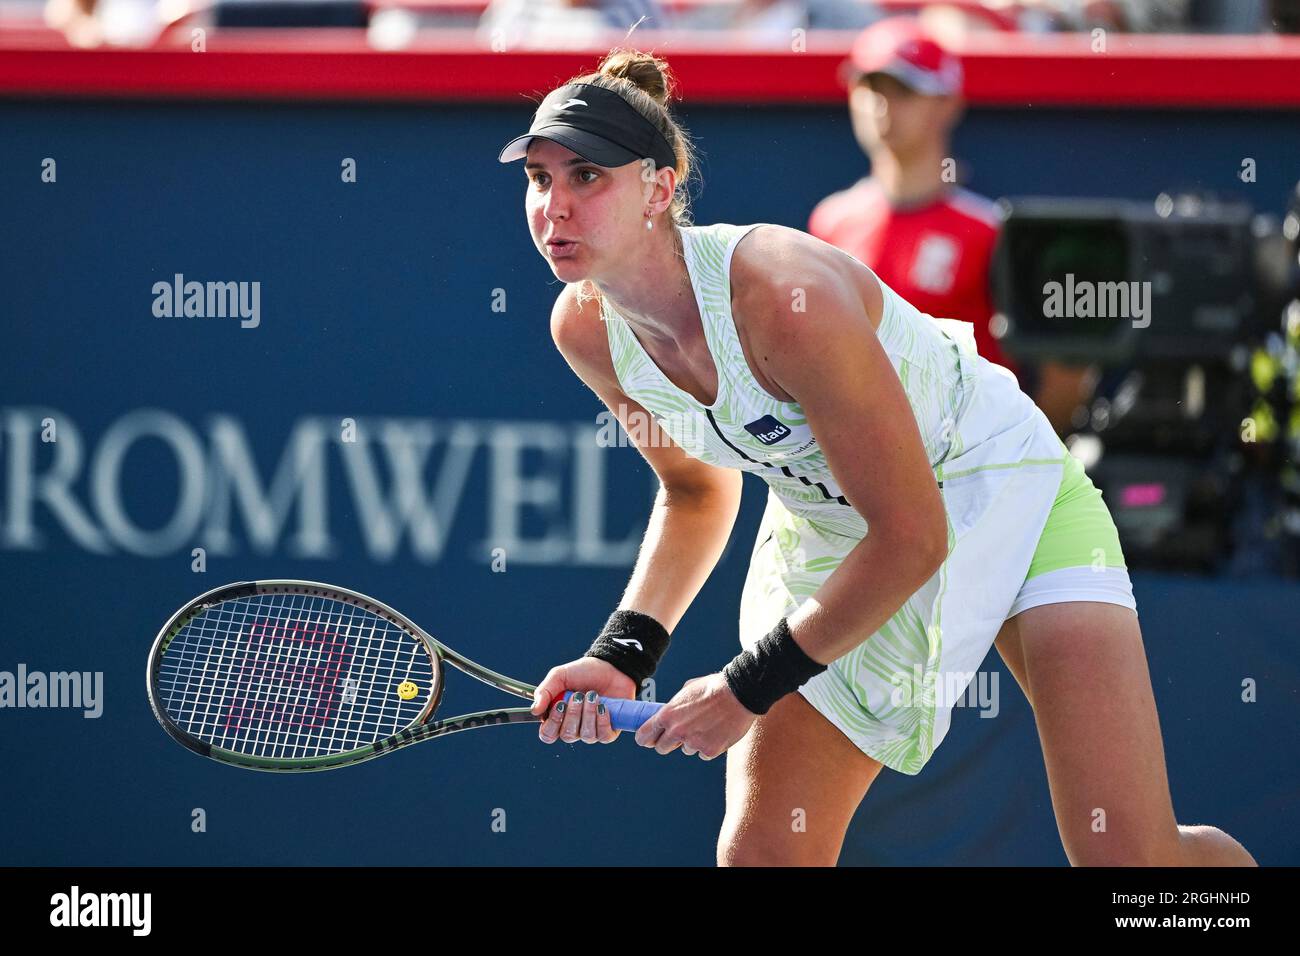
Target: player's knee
[[1210, 846], [1180, 846], [749, 854], [1123, 849], [753, 848]]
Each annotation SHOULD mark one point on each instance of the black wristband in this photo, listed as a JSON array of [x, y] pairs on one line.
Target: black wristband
[[777, 667], [633, 642]]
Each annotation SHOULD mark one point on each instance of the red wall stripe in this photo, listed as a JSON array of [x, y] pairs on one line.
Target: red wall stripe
[[1002, 69]]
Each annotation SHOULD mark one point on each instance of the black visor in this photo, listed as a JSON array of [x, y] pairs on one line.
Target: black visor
[[597, 124]]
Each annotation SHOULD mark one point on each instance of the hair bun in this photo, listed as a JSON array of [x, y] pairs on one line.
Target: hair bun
[[643, 70]]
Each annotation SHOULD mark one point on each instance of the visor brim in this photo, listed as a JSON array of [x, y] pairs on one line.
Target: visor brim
[[593, 148]]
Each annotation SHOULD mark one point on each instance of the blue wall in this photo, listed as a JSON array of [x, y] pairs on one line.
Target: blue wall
[[376, 304]]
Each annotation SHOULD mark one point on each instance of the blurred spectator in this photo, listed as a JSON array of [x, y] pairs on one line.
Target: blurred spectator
[[1284, 16], [1230, 16], [771, 22], [550, 24], [1126, 16], [925, 236], [88, 23], [290, 13]]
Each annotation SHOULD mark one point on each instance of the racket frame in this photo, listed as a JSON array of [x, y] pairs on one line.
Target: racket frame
[[419, 729]]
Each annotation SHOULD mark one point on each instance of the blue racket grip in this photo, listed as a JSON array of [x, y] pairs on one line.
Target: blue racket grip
[[627, 714]]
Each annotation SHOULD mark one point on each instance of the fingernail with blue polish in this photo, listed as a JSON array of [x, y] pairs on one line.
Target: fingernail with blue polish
[[591, 696]]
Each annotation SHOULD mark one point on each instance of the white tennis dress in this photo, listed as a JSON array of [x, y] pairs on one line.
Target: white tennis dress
[[996, 459]]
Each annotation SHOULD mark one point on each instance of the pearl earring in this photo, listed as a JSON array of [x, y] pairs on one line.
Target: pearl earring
[[649, 223]]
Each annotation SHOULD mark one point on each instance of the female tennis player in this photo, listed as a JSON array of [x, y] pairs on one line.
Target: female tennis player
[[759, 348]]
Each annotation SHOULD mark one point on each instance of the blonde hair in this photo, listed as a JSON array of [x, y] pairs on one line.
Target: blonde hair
[[647, 84]]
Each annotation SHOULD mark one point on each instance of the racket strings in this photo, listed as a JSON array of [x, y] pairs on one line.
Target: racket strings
[[293, 676]]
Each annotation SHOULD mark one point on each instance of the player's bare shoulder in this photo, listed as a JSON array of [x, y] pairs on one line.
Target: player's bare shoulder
[[778, 272], [578, 329]]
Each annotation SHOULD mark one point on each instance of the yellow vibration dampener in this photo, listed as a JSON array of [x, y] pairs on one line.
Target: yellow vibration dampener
[[407, 690]]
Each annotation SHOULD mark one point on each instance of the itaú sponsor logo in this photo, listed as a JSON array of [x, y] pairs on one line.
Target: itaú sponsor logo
[[404, 483]]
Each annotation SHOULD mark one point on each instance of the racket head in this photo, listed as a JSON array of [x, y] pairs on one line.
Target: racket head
[[291, 676]]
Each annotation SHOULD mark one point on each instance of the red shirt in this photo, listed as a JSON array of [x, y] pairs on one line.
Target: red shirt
[[936, 255]]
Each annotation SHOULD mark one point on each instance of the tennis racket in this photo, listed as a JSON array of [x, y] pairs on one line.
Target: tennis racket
[[297, 675]]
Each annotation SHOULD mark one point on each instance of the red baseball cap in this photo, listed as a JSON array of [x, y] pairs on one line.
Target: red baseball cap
[[900, 48]]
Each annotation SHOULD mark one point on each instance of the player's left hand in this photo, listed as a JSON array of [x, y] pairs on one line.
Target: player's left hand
[[703, 718]]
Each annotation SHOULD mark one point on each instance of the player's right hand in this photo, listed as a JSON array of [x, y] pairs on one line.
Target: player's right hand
[[568, 697]]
